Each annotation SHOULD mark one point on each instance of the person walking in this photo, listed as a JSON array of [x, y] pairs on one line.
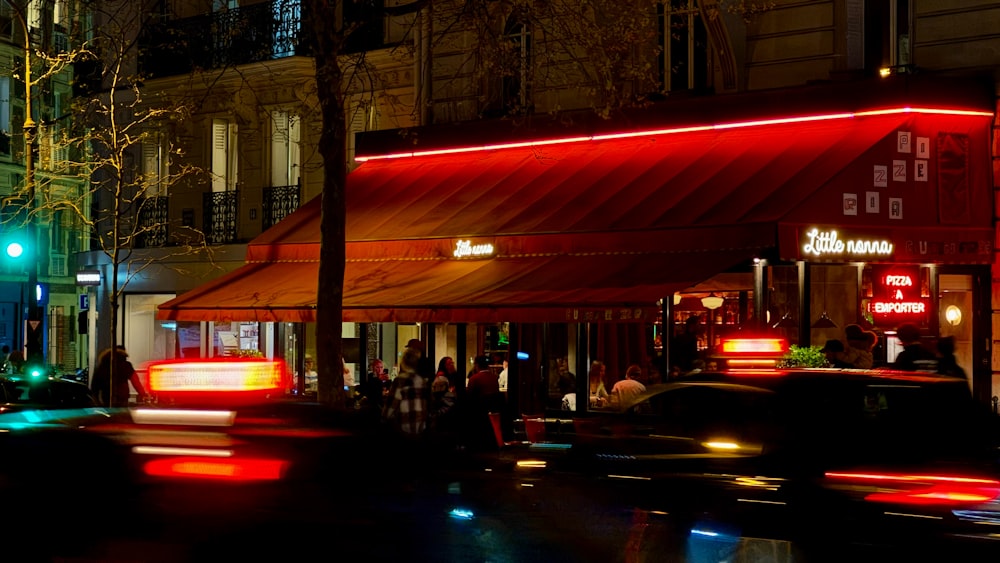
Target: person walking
[[947, 362], [482, 397], [376, 385], [405, 409], [112, 376], [914, 356]]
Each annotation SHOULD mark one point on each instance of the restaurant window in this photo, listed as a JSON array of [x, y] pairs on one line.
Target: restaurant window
[[285, 148], [223, 155], [684, 47]]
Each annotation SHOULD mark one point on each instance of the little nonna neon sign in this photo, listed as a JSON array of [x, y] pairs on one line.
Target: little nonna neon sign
[[819, 243], [465, 249]]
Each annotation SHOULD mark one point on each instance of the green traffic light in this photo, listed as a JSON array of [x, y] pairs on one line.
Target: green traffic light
[[15, 250]]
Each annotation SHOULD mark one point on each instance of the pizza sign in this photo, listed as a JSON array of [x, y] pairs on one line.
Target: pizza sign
[[897, 296]]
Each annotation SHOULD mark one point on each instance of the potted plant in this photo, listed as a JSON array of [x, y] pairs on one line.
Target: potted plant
[[804, 357]]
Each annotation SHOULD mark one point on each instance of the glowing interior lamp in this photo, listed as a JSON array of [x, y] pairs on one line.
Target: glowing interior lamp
[[712, 302], [885, 72], [953, 315], [677, 299]]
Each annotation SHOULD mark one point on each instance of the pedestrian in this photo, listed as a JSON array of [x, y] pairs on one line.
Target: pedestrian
[[405, 410], [684, 346], [376, 385], [914, 356], [112, 376], [947, 363], [482, 398]]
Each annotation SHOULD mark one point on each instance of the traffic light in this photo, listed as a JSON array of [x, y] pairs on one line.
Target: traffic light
[[14, 249]]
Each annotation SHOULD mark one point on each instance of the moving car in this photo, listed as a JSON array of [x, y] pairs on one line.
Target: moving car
[[766, 464]]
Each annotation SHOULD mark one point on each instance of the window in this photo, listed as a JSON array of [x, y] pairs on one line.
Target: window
[[684, 57], [366, 20], [516, 88], [285, 151], [223, 155], [5, 128], [362, 116], [888, 28], [155, 163]]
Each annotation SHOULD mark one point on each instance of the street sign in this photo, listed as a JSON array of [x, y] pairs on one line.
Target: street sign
[[84, 302]]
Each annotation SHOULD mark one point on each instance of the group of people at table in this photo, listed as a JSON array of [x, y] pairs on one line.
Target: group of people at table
[[622, 392]]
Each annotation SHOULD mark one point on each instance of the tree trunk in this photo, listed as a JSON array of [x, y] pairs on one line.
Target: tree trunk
[[327, 38]]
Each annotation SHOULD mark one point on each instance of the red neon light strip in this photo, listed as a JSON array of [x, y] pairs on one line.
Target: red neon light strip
[[675, 130]]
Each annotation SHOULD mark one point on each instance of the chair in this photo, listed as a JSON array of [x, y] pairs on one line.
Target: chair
[[497, 431], [534, 427]]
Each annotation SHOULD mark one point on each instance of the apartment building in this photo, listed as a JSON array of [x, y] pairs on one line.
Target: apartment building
[[447, 75]]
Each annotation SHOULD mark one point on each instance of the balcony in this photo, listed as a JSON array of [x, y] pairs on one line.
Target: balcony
[[248, 34], [278, 202], [221, 217], [153, 220]]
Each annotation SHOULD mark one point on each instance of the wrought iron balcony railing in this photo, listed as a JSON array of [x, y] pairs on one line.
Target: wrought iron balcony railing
[[278, 203], [248, 34], [221, 217], [154, 215]]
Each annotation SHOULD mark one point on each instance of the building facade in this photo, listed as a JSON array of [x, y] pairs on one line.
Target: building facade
[[439, 78], [35, 113]]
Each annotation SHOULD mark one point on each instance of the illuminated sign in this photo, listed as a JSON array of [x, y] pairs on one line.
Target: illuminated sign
[[465, 249], [88, 277], [216, 375], [829, 243], [897, 295]]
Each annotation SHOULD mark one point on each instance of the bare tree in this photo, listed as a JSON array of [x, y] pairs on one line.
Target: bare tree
[[116, 192]]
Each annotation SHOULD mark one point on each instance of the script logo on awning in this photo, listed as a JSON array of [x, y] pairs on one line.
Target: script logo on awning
[[465, 249]]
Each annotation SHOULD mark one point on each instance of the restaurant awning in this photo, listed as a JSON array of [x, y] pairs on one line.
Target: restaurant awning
[[527, 283], [597, 228]]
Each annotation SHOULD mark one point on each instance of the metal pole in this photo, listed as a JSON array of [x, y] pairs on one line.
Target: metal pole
[[34, 329]]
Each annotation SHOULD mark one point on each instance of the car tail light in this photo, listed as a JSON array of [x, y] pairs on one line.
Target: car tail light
[[228, 469], [921, 489]]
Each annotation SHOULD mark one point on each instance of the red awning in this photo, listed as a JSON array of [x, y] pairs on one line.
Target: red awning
[[583, 228], [521, 286]]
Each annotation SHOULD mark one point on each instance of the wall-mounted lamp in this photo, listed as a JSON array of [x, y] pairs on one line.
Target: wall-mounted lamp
[[677, 299], [953, 315], [712, 302]]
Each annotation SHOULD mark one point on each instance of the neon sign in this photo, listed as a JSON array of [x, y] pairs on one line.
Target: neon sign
[[820, 243], [898, 295], [465, 249]]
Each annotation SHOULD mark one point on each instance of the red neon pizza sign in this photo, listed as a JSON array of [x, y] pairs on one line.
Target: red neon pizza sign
[[897, 295]]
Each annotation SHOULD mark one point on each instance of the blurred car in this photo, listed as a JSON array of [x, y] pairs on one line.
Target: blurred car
[[765, 464], [224, 465], [39, 392]]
